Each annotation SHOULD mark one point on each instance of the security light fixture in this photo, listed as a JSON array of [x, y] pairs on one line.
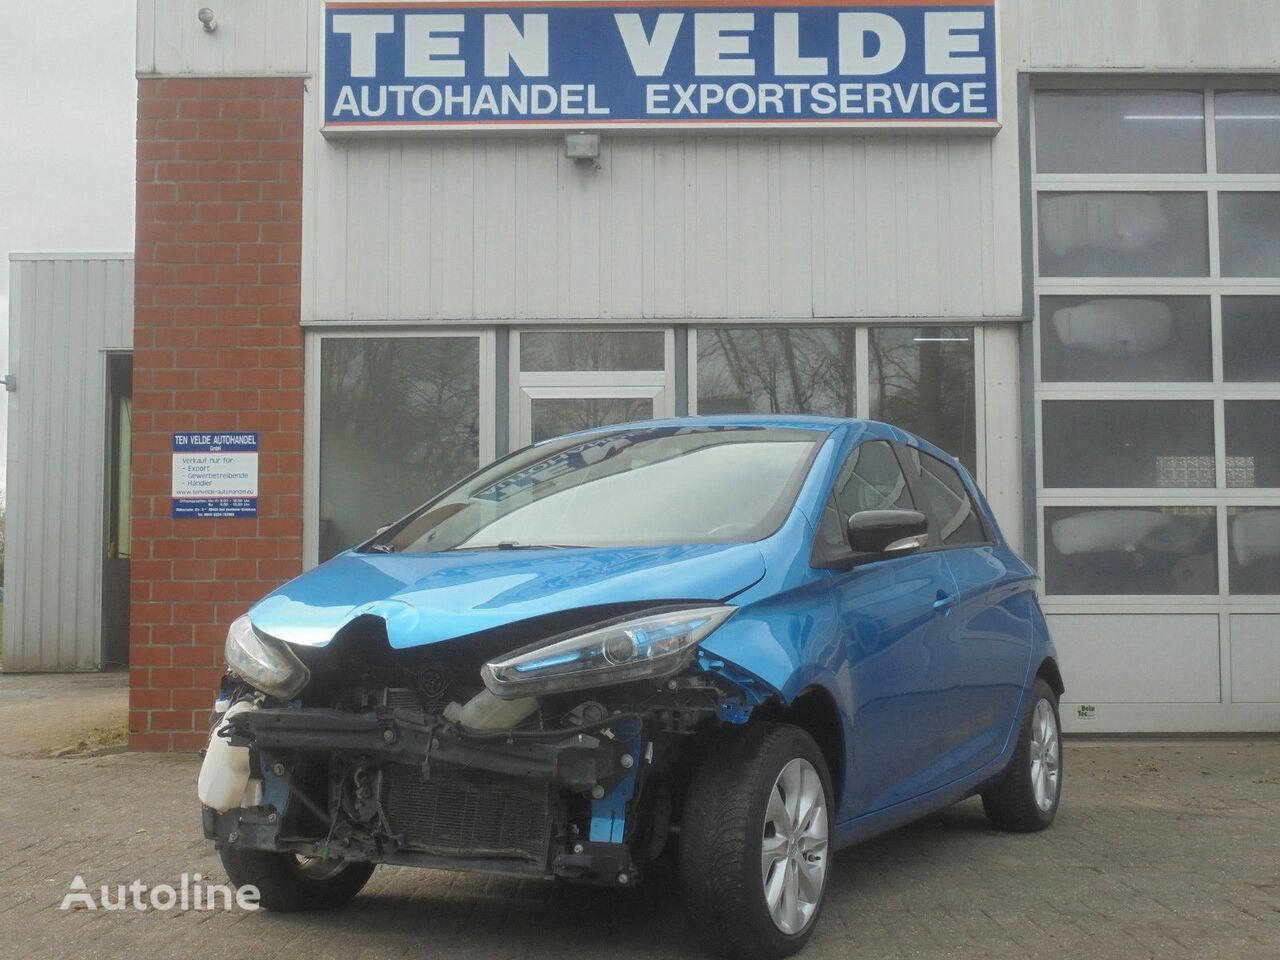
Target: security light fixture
[[582, 146], [205, 16]]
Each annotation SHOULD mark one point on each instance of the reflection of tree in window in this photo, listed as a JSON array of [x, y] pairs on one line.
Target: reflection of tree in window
[[922, 381], [592, 350], [555, 417], [399, 421], [804, 370]]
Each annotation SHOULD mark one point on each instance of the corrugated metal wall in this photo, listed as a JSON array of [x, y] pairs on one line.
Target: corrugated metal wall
[[1175, 35], [666, 227], [63, 315], [455, 228], [253, 38]]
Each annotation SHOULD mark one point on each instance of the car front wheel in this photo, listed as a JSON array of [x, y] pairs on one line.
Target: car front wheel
[[1027, 798], [288, 883], [755, 842]]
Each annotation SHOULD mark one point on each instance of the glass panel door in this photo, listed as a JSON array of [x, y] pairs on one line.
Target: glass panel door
[[570, 380]]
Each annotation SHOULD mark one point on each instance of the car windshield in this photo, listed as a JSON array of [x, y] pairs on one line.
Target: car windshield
[[635, 487]]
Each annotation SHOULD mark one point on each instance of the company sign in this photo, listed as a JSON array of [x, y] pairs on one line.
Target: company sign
[[215, 475], [578, 64]]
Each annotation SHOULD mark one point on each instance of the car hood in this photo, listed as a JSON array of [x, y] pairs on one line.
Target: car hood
[[427, 598]]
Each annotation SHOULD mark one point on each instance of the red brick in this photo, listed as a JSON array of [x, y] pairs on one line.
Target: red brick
[[150, 699], [183, 742], [148, 741], [195, 656], [218, 130], [218, 346], [149, 656], [242, 109], [198, 701], [168, 88], [171, 677], [172, 720], [157, 108]]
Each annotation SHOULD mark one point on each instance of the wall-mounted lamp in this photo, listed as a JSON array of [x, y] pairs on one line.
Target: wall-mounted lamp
[[205, 16], [10, 383], [582, 146]]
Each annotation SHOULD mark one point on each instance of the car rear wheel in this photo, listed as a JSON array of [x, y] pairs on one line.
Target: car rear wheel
[[755, 842], [290, 883], [1027, 798]]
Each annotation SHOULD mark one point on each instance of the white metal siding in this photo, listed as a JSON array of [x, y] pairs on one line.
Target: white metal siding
[[668, 227], [1185, 36], [63, 315], [452, 228], [254, 38]]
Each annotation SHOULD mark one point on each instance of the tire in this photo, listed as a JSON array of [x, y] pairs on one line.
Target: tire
[[290, 885], [1027, 798], [728, 821]]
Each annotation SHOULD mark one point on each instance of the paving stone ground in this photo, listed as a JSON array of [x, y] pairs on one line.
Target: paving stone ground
[[1168, 850]]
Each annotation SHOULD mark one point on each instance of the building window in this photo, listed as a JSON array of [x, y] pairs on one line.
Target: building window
[[1125, 339], [920, 378], [1120, 131], [399, 422], [807, 370], [1131, 550], [1158, 336]]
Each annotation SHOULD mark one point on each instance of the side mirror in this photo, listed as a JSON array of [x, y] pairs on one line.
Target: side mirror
[[881, 534]]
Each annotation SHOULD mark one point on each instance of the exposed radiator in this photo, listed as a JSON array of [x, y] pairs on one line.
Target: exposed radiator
[[477, 814]]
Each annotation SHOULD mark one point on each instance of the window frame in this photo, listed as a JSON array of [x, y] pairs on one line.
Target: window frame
[[819, 560], [312, 350], [861, 328], [975, 500], [1216, 390]]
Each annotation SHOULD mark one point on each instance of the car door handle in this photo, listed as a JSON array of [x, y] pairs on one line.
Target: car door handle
[[944, 603]]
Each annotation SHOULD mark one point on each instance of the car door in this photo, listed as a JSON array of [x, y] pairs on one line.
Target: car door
[[886, 611], [978, 666]]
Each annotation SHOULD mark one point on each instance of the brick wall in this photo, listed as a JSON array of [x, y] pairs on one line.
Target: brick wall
[[217, 347]]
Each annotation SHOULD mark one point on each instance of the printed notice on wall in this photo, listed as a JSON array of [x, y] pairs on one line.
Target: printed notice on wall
[[215, 475]]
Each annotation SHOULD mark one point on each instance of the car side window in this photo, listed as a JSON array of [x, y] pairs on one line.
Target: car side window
[[953, 518], [871, 479]]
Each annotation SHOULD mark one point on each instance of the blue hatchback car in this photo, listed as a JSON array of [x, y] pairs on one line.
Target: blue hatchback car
[[735, 643]]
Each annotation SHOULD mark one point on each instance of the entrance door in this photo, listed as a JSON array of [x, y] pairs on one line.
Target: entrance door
[[117, 494], [567, 380]]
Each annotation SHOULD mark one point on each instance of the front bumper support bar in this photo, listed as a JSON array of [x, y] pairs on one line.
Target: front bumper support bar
[[575, 761]]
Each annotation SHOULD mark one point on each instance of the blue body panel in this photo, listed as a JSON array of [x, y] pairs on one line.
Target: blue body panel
[[927, 658], [426, 598]]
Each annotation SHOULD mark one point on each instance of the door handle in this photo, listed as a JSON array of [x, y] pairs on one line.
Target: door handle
[[944, 603]]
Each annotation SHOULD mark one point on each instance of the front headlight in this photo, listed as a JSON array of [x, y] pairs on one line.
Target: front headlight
[[656, 645], [264, 662]]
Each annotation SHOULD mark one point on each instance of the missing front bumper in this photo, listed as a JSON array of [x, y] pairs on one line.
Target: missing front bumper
[[435, 795], [575, 761]]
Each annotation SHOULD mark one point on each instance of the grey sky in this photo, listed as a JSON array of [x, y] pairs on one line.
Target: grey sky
[[67, 101]]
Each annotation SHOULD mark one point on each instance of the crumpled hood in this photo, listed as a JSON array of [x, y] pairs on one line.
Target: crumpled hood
[[426, 598]]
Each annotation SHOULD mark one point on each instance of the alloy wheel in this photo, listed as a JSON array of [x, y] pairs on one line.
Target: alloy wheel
[[793, 862], [1046, 762]]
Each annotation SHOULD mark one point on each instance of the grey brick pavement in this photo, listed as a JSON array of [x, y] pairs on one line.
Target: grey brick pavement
[[1160, 850]]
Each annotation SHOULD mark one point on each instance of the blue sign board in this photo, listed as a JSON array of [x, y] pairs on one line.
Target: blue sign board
[[215, 475], [579, 64]]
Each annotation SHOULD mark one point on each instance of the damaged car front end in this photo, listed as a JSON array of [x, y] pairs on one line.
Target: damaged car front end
[[512, 678], [560, 758]]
